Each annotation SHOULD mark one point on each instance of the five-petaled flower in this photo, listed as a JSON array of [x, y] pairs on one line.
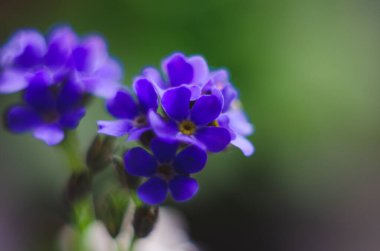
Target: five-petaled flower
[[132, 114], [191, 122], [166, 170], [47, 110]]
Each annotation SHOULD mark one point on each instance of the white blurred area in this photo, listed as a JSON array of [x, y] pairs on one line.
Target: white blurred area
[[169, 234]]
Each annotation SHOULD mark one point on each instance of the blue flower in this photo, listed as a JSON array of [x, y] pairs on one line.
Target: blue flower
[[64, 57], [232, 117], [132, 114], [165, 170], [191, 122], [47, 110], [56, 76]]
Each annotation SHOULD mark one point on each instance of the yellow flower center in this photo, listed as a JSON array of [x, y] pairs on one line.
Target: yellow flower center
[[187, 127], [214, 123]]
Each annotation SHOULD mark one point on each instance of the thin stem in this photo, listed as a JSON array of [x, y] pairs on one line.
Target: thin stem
[[133, 243], [70, 146]]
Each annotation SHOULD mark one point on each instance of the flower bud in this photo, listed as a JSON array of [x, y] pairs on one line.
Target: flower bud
[[78, 186], [127, 180], [99, 154], [110, 208], [144, 220]]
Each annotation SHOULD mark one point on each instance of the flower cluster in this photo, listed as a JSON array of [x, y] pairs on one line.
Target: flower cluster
[[184, 113], [56, 75]]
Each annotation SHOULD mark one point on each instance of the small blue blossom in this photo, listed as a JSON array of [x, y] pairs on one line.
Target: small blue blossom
[[191, 123], [47, 110], [232, 117], [64, 57], [132, 115], [56, 75], [165, 170]]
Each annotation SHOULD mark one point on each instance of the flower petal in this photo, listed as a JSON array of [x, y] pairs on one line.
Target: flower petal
[[104, 81], [51, 134], [201, 71], [163, 150], [154, 75], [38, 94], [229, 94], [116, 128], [135, 133], [70, 97], [196, 91], [122, 105], [153, 191], [139, 162], [61, 42], [176, 101], [206, 109], [220, 77], [163, 129], [12, 81], [25, 49], [178, 70], [146, 94], [191, 140], [239, 123], [216, 139], [244, 145], [71, 120], [183, 188], [90, 54], [21, 119], [191, 160]]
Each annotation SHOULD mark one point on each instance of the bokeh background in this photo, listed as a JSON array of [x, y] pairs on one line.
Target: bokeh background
[[308, 75]]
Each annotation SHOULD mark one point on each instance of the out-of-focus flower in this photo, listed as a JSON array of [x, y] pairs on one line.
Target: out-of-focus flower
[[169, 234], [132, 114], [47, 110], [192, 123], [232, 117], [166, 170], [56, 74], [63, 56]]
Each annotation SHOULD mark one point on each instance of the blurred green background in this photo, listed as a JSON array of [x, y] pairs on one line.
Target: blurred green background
[[308, 75]]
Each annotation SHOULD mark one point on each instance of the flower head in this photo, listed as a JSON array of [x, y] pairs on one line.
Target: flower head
[[166, 170], [63, 56], [232, 117], [47, 110], [132, 114], [56, 76], [191, 122]]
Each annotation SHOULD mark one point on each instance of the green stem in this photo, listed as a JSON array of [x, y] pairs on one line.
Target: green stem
[[133, 244], [70, 146]]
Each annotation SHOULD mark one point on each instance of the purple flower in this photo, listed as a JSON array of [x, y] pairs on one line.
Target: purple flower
[[233, 117], [64, 56], [192, 122], [180, 70], [237, 123], [56, 74], [47, 110], [132, 114], [166, 170]]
